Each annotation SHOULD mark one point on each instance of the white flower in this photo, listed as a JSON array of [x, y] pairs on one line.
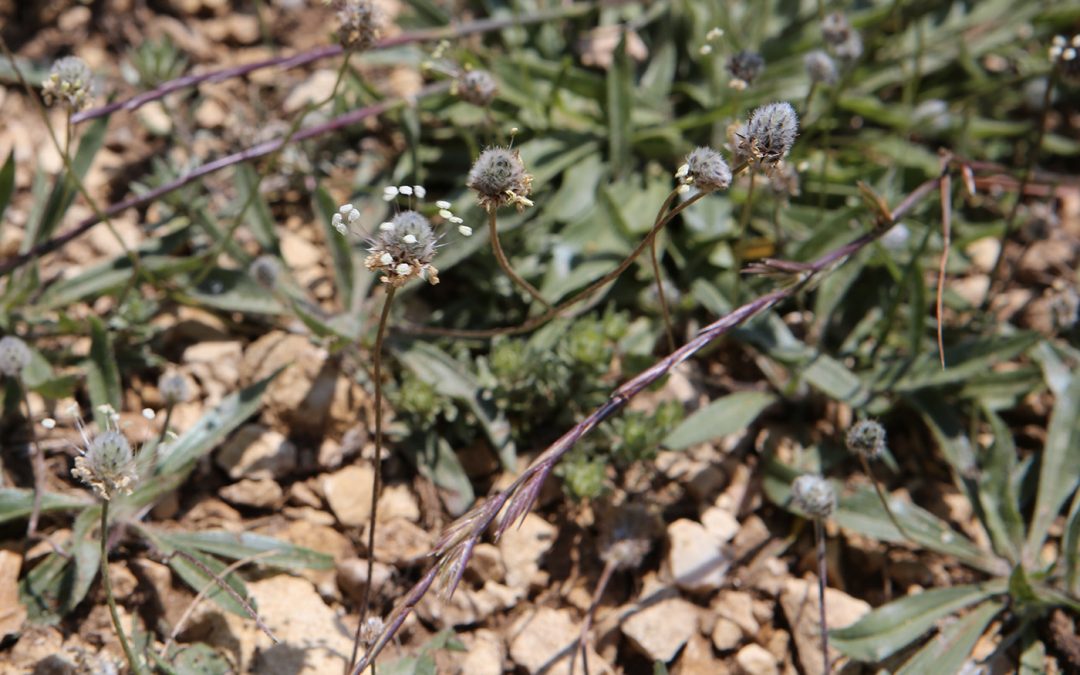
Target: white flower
[[405, 190], [465, 230], [420, 191], [442, 204], [446, 213], [403, 269], [389, 192], [409, 239]]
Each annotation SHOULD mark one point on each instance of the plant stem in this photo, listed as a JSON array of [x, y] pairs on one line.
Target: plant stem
[[662, 297], [497, 249], [109, 598], [164, 427], [365, 602], [37, 465], [823, 571], [885, 501], [605, 578]]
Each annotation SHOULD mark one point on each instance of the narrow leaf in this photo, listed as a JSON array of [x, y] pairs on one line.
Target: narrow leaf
[[728, 415], [948, 651]]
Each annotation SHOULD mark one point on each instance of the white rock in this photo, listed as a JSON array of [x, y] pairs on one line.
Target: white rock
[[486, 653], [523, 547], [799, 600], [257, 452], [260, 494], [753, 659], [695, 557], [737, 606], [720, 523], [348, 492], [726, 634], [541, 641], [299, 253], [660, 629], [397, 501]]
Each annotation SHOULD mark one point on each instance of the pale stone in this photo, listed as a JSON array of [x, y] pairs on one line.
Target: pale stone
[[348, 493], [352, 578], [313, 88], [260, 494], [298, 252], [753, 659], [695, 557], [697, 658], [397, 501], [541, 641], [523, 547], [983, 252], [738, 606], [485, 654], [487, 562], [720, 523], [157, 121], [800, 602], [12, 612], [257, 452], [726, 634], [211, 114], [399, 542], [660, 629]]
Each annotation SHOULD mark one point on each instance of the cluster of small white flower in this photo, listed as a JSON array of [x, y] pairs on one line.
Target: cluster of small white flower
[[445, 212], [1064, 49], [392, 192]]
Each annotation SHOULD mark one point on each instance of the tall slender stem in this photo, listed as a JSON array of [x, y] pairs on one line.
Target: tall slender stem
[[37, 465], [165, 426], [109, 597], [661, 296], [496, 247], [583, 637], [823, 571], [380, 335], [884, 501]]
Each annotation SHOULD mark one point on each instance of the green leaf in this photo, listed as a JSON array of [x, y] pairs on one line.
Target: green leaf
[[197, 658], [948, 651], [450, 378], [1057, 474], [196, 577], [258, 217], [892, 627], [340, 251], [17, 503], [7, 183], [728, 415], [240, 545], [620, 102], [102, 373], [233, 291], [973, 357], [1001, 506], [1032, 654], [436, 460], [58, 584], [173, 466], [1071, 547]]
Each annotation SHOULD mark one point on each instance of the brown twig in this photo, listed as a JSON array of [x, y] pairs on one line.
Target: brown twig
[[507, 268], [945, 187], [110, 598], [823, 571], [583, 637]]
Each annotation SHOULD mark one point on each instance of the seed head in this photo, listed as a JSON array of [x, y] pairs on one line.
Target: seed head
[[371, 630], [14, 356], [174, 388], [820, 67], [628, 536], [107, 465], [706, 169], [266, 270], [361, 24], [835, 29], [1065, 54], [770, 134], [866, 438], [70, 83], [477, 87], [403, 250], [745, 67], [499, 178], [814, 495]]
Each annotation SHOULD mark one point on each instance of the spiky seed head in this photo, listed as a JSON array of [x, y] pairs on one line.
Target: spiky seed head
[[370, 631], [107, 465], [499, 178], [746, 66], [477, 87], [14, 356], [814, 495], [174, 388], [770, 134], [850, 49], [705, 169], [70, 83], [266, 270], [403, 250], [820, 67], [835, 28], [360, 24], [866, 438]]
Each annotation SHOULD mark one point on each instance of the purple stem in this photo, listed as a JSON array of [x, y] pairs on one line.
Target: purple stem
[[254, 152], [303, 58], [452, 549]]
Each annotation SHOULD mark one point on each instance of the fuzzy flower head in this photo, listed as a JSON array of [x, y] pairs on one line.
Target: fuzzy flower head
[[843, 40], [627, 536], [499, 179], [866, 438], [107, 464], [14, 356], [745, 67], [1065, 55], [477, 87], [769, 135], [360, 24], [820, 67], [705, 169], [813, 495], [174, 388], [266, 270], [70, 83], [404, 249]]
